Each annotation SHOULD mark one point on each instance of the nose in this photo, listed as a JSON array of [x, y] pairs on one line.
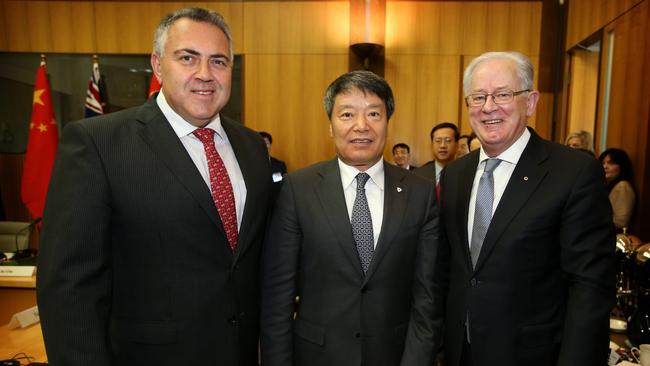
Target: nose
[[203, 72], [489, 105], [361, 123]]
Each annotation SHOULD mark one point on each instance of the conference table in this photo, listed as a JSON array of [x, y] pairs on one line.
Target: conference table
[[18, 294]]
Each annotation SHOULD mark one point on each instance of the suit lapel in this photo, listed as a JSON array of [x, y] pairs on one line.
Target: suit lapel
[[524, 181], [245, 161], [395, 198], [464, 193], [332, 199]]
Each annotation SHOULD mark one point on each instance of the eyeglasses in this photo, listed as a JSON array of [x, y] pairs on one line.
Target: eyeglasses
[[440, 140], [500, 97]]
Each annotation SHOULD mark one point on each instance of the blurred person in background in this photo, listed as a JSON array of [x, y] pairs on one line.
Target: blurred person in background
[[620, 184]]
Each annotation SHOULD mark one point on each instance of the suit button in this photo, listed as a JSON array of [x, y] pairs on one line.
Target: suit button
[[357, 335], [364, 289], [473, 282]]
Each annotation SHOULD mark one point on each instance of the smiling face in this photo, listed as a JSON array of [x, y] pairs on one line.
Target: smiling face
[[358, 127], [401, 156], [444, 145], [498, 126], [195, 70]]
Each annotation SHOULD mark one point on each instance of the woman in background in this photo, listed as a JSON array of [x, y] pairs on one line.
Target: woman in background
[[619, 178]]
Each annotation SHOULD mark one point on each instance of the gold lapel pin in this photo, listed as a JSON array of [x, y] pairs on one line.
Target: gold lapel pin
[[525, 178], [399, 189]]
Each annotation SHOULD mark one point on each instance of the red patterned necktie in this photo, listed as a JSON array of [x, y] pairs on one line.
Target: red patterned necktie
[[222, 193]]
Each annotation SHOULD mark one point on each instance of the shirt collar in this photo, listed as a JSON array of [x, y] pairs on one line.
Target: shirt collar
[[349, 173], [513, 153], [180, 126]]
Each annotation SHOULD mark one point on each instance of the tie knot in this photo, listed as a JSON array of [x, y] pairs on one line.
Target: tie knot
[[362, 178], [491, 164], [204, 134]]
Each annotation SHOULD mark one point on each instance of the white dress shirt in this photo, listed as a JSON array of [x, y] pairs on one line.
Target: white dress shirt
[[194, 147], [501, 175], [439, 169], [374, 192]]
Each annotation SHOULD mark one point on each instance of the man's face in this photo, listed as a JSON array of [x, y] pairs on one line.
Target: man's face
[[358, 127], [463, 147], [498, 126], [195, 70], [444, 145], [268, 144], [401, 157]]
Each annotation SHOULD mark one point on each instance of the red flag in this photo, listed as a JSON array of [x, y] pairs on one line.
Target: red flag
[[41, 147], [154, 86]]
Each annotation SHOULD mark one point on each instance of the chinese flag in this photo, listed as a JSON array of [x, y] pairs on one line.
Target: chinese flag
[[154, 86], [41, 147]]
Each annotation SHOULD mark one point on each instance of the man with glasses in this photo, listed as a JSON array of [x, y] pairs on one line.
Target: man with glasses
[[526, 236], [444, 145]]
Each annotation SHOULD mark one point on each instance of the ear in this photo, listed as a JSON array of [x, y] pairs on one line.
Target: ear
[[155, 66], [531, 103]]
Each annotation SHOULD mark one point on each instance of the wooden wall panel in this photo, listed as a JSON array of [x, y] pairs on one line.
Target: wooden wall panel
[[454, 28], [629, 105], [583, 91], [321, 27], [4, 38], [128, 27], [587, 16], [284, 95], [426, 89], [72, 26]]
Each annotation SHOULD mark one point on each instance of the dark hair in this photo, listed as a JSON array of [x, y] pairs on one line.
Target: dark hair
[[403, 146], [619, 157], [365, 81], [266, 135], [195, 14], [445, 125], [464, 137]]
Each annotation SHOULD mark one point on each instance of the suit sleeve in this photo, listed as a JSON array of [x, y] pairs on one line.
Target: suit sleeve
[[74, 273], [279, 275], [425, 324], [587, 250]]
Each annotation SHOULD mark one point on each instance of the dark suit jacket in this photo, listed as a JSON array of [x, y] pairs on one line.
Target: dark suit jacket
[[134, 265], [427, 171], [343, 317], [277, 166], [544, 282]]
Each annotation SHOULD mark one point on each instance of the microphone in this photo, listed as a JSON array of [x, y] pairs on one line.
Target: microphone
[[24, 253]]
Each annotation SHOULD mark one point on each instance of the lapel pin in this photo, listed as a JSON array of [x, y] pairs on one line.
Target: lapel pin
[[526, 178], [399, 189]]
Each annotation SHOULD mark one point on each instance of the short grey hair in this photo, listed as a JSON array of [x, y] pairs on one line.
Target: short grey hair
[[195, 14], [366, 81], [525, 70]]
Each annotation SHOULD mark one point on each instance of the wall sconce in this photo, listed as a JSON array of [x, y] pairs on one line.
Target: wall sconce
[[367, 35]]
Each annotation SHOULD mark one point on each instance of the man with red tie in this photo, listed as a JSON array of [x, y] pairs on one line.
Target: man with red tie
[[444, 144], [155, 217]]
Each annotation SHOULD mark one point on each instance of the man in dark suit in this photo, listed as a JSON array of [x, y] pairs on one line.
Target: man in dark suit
[[402, 156], [155, 218], [355, 240], [526, 235], [444, 144], [278, 167]]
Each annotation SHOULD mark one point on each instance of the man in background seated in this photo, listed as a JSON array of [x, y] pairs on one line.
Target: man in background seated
[[402, 156], [355, 239], [278, 167], [444, 145], [154, 219]]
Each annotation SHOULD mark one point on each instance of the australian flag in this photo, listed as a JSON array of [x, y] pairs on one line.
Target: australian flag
[[94, 96]]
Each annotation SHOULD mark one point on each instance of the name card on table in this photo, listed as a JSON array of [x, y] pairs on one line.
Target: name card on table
[[17, 271], [24, 318]]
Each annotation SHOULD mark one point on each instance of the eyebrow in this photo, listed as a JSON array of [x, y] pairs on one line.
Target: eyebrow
[[197, 53]]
